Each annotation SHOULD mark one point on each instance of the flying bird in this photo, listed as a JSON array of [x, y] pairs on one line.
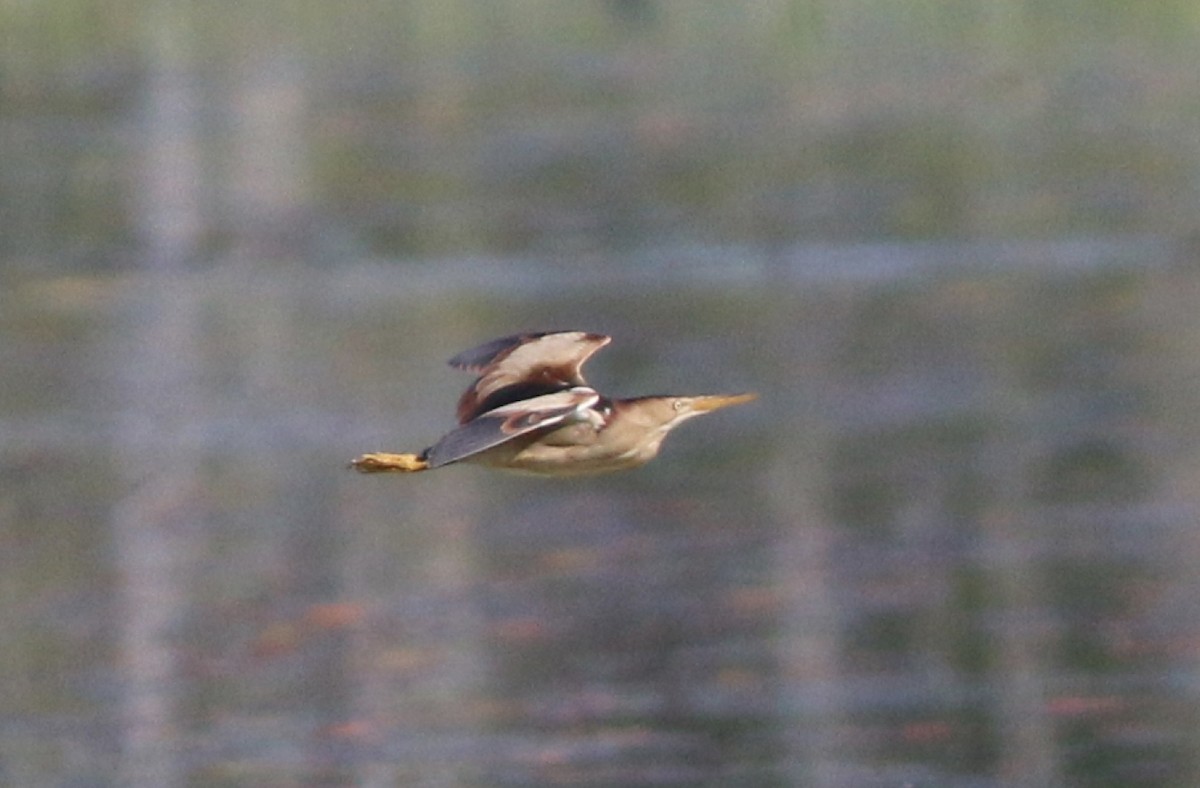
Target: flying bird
[[530, 410]]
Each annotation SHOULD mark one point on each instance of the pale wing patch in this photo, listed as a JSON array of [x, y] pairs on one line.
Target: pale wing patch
[[523, 367], [558, 356]]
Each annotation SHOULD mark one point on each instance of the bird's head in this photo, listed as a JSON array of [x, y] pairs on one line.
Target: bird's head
[[656, 416]]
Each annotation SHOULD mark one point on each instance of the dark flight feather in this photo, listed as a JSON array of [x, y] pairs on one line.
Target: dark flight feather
[[508, 422]]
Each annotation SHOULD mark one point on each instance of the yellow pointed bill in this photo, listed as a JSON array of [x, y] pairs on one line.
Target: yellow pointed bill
[[715, 401]]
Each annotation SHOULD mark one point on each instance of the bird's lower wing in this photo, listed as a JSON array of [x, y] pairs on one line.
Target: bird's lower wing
[[509, 422]]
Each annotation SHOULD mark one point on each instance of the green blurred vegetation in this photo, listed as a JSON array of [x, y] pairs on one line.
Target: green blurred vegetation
[[532, 125], [1002, 461]]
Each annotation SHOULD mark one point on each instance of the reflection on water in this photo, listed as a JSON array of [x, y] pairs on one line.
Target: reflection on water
[[953, 543]]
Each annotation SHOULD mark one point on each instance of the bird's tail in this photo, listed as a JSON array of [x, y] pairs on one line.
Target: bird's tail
[[382, 462]]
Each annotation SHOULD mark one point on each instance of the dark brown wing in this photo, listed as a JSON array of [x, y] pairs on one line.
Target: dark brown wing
[[508, 422], [524, 366]]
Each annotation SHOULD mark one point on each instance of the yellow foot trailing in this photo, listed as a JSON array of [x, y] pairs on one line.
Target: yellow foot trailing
[[382, 462]]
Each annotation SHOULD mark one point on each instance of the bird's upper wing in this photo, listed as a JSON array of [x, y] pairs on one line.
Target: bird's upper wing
[[523, 366], [506, 422]]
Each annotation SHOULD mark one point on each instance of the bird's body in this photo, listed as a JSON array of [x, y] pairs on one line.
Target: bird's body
[[531, 411]]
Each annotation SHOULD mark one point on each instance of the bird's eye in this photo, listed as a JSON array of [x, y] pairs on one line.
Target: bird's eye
[[677, 404]]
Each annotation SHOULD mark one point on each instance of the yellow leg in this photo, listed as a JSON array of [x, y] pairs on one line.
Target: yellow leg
[[382, 462]]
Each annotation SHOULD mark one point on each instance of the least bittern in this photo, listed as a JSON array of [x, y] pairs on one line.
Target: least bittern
[[530, 410]]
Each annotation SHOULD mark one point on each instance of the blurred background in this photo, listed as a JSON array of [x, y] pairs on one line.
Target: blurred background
[[952, 245]]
